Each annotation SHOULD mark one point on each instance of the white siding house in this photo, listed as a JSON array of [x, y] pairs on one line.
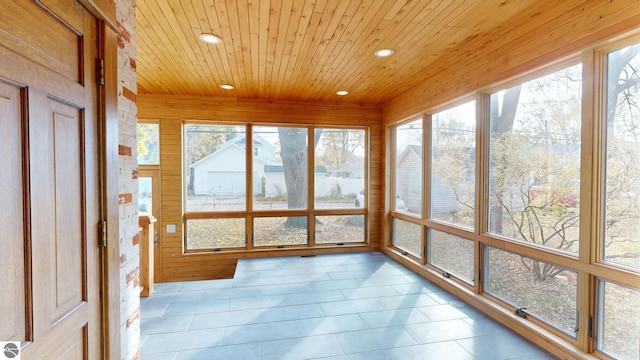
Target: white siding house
[[409, 182], [223, 172]]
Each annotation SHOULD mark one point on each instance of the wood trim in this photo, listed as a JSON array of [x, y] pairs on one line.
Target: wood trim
[[249, 195], [311, 158], [108, 119], [389, 153], [591, 184], [482, 186], [102, 9], [427, 145]]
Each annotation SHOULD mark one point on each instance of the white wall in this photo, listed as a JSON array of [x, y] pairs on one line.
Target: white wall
[[322, 185], [348, 185]]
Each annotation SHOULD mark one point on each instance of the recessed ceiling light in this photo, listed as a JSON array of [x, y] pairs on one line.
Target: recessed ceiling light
[[384, 52], [210, 38], [227, 86], [342, 92]]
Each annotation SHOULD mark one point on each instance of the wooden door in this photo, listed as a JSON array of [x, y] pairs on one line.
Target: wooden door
[[49, 189]]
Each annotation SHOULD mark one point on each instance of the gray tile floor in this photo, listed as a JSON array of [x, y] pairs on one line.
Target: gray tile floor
[[344, 306]]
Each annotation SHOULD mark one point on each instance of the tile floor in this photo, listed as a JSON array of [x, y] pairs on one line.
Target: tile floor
[[344, 306]]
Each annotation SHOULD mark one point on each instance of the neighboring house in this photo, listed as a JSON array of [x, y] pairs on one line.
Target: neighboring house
[[223, 173], [409, 184], [353, 169]]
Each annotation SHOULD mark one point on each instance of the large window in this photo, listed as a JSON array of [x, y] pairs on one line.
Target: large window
[[340, 168], [408, 168], [407, 194], [617, 313], [280, 158], [622, 230], [215, 175], [229, 207], [215, 167], [534, 165], [537, 207], [453, 164]]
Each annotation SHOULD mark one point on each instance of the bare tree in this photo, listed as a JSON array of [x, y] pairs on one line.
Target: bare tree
[[623, 149], [340, 145]]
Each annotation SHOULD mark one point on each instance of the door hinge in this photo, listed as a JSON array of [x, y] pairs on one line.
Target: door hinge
[[102, 233], [100, 72]]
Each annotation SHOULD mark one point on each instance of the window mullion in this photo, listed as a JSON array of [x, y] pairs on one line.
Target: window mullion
[[249, 187], [311, 161], [591, 182], [482, 206], [427, 139]]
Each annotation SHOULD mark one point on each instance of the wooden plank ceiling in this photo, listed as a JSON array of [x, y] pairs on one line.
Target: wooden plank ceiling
[[308, 49]]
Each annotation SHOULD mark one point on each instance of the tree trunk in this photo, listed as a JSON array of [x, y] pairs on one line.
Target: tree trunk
[[294, 154], [501, 123], [293, 151]]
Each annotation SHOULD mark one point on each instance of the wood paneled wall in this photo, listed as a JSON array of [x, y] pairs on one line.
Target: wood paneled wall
[[523, 44], [169, 111]]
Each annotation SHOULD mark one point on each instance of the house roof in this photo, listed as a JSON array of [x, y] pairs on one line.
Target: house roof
[[411, 149], [357, 164], [266, 154]]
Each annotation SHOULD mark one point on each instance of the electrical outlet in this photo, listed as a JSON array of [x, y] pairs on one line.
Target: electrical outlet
[[171, 229]]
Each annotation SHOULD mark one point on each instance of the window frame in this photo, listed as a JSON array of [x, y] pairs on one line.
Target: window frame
[[394, 164], [601, 270], [485, 167], [588, 262], [402, 215], [249, 214], [600, 138], [536, 320], [429, 160]]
